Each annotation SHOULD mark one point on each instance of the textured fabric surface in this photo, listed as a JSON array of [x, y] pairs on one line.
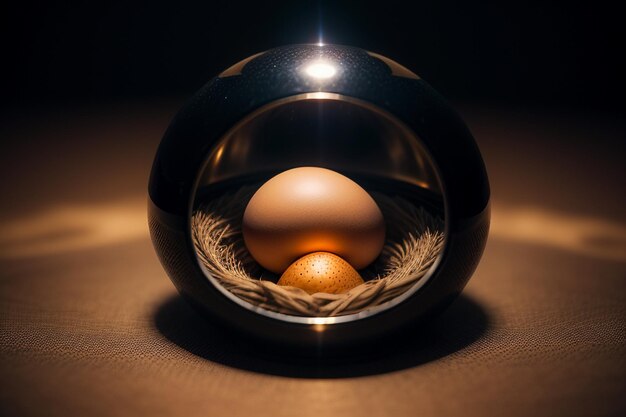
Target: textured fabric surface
[[90, 324]]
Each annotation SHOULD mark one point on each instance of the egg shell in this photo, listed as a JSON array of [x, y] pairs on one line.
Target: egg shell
[[321, 272], [309, 209]]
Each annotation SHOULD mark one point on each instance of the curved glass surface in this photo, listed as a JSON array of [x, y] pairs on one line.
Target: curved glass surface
[[327, 130]]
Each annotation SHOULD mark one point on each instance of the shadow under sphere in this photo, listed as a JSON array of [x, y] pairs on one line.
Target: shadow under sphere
[[463, 323]]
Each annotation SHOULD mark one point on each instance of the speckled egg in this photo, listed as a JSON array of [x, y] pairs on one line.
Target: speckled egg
[[309, 209], [321, 272]]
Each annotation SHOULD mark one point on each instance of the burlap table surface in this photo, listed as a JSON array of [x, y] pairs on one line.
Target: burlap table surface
[[91, 325]]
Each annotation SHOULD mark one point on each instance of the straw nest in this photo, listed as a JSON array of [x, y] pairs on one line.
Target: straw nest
[[414, 239]]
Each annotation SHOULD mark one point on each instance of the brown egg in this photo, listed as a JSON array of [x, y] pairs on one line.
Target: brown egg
[[321, 272], [309, 209]]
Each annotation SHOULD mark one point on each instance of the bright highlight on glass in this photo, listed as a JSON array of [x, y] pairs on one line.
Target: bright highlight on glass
[[320, 70]]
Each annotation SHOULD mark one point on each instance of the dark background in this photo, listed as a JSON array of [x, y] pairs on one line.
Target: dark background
[[565, 54]]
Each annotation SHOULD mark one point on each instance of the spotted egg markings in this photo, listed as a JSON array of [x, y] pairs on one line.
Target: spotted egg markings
[[321, 272]]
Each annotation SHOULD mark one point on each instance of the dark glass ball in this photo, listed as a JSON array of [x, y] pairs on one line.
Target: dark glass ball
[[338, 107]]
